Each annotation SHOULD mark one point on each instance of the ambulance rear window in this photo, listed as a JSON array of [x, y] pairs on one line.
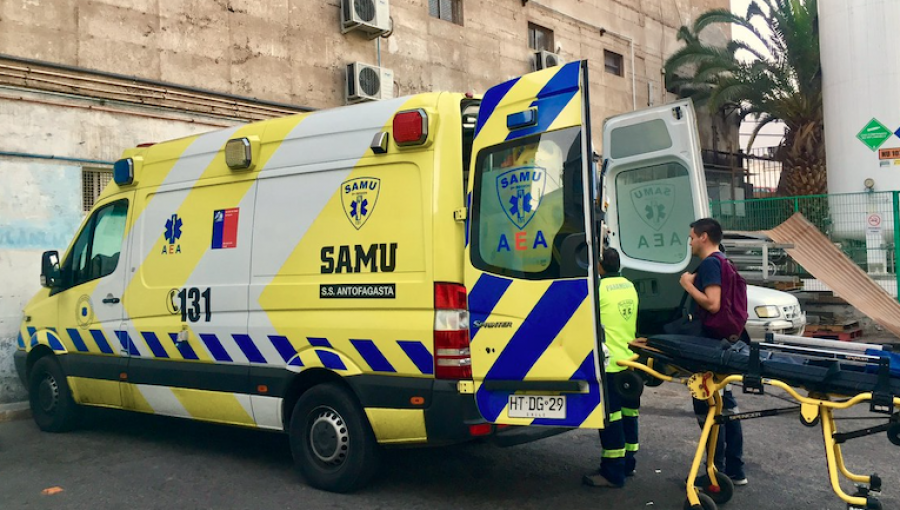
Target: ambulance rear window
[[527, 215]]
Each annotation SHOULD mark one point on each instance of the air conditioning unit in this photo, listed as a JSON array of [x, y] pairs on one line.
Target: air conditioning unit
[[545, 59], [368, 83], [369, 16]]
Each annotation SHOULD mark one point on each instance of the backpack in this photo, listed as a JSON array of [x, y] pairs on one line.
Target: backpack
[[731, 318]]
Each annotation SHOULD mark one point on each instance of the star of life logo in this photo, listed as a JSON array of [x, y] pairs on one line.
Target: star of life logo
[[653, 203], [520, 191], [359, 197]]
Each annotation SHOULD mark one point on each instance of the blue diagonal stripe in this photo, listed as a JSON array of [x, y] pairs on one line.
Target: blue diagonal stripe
[[79, 344], [552, 99], [249, 349], [283, 346], [542, 325], [484, 297], [100, 339], [215, 347], [419, 355], [373, 356], [31, 331], [578, 405], [127, 344], [187, 352], [55, 344], [318, 342], [331, 360], [154, 344], [491, 99], [20, 341]]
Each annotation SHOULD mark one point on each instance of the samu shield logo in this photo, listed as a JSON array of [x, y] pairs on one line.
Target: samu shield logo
[[520, 191], [653, 203], [359, 197]]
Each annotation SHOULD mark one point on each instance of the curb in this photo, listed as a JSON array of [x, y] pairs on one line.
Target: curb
[[14, 411]]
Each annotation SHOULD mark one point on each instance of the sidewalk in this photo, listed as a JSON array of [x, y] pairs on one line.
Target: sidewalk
[[14, 411]]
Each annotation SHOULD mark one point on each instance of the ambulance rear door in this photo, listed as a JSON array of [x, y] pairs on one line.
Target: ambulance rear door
[[535, 348], [654, 185]]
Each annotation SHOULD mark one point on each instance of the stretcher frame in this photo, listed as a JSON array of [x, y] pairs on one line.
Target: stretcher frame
[[815, 408]]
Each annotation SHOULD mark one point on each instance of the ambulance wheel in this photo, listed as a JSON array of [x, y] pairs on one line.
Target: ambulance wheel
[[706, 503], [629, 384], [721, 494], [332, 442], [52, 406]]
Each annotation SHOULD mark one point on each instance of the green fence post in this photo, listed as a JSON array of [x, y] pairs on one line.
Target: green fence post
[[796, 204], [896, 197]]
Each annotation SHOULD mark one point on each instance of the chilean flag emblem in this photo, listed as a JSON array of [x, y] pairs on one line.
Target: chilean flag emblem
[[225, 228]]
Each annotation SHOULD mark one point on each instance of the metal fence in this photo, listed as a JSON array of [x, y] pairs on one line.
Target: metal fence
[[866, 226]]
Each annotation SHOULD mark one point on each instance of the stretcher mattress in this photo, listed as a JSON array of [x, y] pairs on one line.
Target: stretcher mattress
[[824, 375]]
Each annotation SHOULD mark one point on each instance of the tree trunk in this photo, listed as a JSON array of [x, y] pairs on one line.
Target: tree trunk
[[802, 155]]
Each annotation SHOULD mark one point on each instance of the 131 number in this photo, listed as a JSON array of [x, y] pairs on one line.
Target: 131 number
[[191, 307]]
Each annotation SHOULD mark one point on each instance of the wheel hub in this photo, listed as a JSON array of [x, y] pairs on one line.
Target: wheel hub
[[329, 438], [48, 393]]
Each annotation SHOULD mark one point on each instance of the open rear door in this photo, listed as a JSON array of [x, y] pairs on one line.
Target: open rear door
[[535, 347], [655, 186]]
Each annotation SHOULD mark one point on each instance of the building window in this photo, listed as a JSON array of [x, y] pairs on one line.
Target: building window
[[540, 38], [93, 180], [447, 10], [613, 63]]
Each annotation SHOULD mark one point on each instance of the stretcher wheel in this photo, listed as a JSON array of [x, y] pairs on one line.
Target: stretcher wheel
[[721, 494], [650, 381], [706, 503], [893, 433], [629, 384]]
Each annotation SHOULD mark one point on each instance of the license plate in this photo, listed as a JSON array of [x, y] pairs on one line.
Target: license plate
[[537, 406]]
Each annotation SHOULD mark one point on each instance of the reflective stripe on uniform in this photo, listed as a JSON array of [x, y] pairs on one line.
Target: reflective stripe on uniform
[[616, 416], [632, 447], [614, 454], [630, 413]]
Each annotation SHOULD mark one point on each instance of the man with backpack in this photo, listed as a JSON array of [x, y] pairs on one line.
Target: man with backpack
[[720, 294]]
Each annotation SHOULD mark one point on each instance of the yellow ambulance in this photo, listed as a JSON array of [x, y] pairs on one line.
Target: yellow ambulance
[[411, 271]]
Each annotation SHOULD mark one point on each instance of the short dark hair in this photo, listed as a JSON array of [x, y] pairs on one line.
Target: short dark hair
[[610, 262], [710, 227]]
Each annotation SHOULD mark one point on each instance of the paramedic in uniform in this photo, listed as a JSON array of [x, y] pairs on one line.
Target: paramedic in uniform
[[618, 315], [705, 287]]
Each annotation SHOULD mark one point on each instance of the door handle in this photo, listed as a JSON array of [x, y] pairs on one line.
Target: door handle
[[110, 299]]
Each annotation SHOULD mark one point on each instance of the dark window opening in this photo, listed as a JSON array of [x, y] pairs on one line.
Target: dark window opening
[[612, 62]]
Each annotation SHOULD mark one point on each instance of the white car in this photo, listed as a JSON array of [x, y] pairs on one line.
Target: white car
[[773, 310]]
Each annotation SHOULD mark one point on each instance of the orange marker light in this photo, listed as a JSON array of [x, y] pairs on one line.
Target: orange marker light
[[262, 388], [417, 401]]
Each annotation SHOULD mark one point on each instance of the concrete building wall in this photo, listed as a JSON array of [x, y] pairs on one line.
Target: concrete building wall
[[286, 51], [41, 199]]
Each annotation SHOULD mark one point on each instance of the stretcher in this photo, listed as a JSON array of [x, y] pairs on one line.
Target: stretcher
[[833, 375]]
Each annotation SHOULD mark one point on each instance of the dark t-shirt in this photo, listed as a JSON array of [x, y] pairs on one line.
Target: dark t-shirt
[[709, 272]]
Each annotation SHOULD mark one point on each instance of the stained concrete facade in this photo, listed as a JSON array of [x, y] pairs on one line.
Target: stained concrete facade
[[290, 52]]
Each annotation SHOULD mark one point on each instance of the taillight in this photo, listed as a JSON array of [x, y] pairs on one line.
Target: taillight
[[452, 358]]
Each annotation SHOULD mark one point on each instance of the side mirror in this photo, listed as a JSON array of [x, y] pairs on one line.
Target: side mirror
[[50, 269]]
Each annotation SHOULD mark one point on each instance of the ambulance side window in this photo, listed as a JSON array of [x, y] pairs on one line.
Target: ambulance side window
[[95, 253], [527, 213]]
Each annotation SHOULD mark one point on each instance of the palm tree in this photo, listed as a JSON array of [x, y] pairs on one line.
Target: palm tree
[[779, 78]]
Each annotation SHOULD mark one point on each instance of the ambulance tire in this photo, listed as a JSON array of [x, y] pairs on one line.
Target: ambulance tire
[[52, 406], [706, 503], [332, 442]]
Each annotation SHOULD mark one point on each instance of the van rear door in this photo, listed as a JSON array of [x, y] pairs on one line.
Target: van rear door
[[655, 186], [535, 348]]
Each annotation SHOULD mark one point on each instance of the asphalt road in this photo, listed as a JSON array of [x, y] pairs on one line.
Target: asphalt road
[[128, 461]]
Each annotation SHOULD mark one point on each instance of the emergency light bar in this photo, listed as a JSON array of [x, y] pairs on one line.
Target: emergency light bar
[[123, 172]]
